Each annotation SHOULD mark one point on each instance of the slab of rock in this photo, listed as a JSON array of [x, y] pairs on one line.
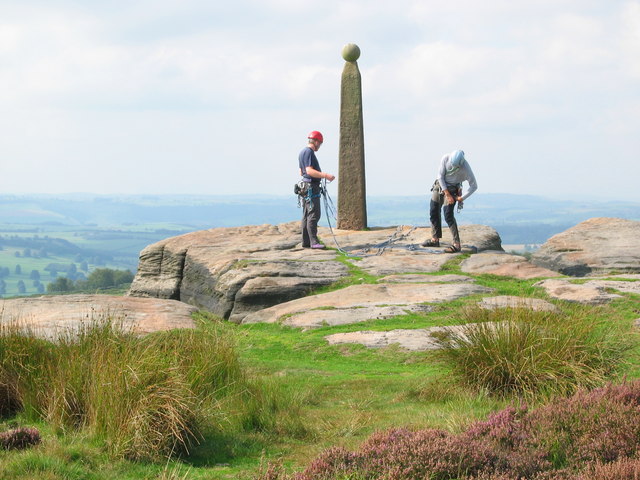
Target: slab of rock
[[505, 265], [49, 316], [620, 286], [419, 339], [345, 316], [397, 250], [593, 247], [562, 289], [481, 237], [234, 271], [367, 296], [417, 278], [401, 261], [511, 301]]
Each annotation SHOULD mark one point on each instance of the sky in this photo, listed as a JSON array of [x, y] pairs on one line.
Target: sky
[[217, 97]]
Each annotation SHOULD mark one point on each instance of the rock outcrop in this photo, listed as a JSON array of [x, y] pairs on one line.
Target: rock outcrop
[[503, 264], [261, 274], [593, 247], [234, 272], [593, 292], [510, 301], [50, 316], [418, 339], [369, 296]]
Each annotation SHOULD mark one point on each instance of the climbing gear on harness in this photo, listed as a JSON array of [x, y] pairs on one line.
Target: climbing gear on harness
[[315, 135], [437, 192], [300, 188], [304, 190]]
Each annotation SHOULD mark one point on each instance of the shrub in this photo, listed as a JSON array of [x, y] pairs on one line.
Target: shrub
[[590, 435], [528, 353], [146, 397], [622, 469], [23, 361], [19, 438]]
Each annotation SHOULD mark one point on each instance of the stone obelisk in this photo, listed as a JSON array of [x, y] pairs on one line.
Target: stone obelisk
[[352, 194]]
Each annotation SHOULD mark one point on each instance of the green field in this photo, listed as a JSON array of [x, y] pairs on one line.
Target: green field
[[116, 248]]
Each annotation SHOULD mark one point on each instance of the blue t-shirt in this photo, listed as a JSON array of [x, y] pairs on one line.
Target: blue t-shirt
[[307, 158]]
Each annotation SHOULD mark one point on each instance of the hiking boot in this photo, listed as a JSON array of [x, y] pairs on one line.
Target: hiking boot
[[431, 243]]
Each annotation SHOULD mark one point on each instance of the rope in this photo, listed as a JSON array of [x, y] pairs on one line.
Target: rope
[[330, 211]]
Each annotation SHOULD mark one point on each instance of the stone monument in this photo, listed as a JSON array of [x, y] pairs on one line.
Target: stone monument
[[352, 195]]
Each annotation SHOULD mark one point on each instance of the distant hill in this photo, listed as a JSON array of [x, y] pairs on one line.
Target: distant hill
[[518, 218]]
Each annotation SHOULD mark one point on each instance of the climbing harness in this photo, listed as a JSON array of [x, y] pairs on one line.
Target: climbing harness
[[304, 191]]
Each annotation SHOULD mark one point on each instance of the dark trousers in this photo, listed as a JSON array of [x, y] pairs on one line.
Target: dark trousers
[[310, 217], [435, 208]]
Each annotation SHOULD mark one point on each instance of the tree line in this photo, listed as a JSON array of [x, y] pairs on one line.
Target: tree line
[[99, 279]]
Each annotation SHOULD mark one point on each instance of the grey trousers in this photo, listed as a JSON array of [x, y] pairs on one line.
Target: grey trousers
[[436, 218], [310, 217]]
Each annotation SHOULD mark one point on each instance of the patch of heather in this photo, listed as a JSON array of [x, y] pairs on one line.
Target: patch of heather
[[622, 469], [598, 426], [436, 454], [589, 435], [19, 438]]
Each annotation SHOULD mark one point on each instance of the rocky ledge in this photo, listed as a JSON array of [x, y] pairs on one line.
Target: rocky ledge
[[261, 274], [593, 247], [59, 315], [234, 272]]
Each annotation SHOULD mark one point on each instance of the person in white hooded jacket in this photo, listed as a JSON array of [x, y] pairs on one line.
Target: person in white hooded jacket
[[445, 193]]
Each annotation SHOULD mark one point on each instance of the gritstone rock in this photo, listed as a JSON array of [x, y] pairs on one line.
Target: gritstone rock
[[417, 278], [510, 301], [595, 246], [49, 316], [358, 296], [593, 291], [578, 293], [419, 339], [233, 272], [504, 264]]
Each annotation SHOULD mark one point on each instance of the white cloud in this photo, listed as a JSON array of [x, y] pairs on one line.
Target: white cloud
[[148, 85], [629, 38]]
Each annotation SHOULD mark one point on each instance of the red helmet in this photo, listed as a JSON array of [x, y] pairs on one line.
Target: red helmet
[[316, 136]]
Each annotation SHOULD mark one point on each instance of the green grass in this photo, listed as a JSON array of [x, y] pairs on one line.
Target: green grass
[[298, 394], [356, 276]]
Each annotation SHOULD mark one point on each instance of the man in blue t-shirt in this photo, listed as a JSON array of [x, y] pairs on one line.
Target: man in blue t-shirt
[[311, 175]]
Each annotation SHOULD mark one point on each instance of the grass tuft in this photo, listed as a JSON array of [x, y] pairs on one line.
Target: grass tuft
[[527, 353], [147, 398]]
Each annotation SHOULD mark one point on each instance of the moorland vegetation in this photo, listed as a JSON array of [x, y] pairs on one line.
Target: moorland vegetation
[[536, 395]]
